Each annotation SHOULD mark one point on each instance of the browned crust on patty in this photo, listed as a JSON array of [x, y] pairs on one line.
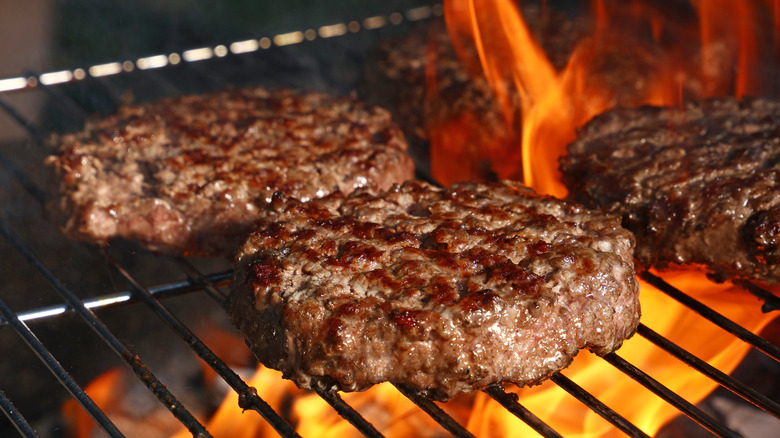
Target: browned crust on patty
[[698, 186], [445, 290], [191, 174]]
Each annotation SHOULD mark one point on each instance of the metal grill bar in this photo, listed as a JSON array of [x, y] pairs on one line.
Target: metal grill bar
[[346, 411], [56, 369], [510, 402], [247, 394], [33, 130], [671, 397], [110, 300], [771, 301], [146, 376], [205, 282], [713, 316], [19, 422], [29, 186], [744, 391], [597, 406], [434, 411], [69, 109]]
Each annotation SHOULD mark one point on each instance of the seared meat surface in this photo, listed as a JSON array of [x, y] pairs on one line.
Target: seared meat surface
[[698, 186], [445, 290], [191, 174]]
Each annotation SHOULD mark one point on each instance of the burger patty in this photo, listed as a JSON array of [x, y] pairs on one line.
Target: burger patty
[[445, 290], [191, 174], [698, 186]]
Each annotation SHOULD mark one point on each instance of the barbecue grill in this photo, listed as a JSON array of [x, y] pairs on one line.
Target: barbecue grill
[[61, 301]]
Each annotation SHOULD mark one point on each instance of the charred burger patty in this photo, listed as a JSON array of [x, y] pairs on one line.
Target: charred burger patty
[[191, 174], [445, 290], [698, 186]]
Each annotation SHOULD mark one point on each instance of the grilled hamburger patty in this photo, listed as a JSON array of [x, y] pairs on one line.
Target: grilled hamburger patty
[[446, 290], [698, 186], [191, 174]]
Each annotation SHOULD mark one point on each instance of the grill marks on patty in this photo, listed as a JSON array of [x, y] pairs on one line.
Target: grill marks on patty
[[698, 186], [446, 290], [190, 174]]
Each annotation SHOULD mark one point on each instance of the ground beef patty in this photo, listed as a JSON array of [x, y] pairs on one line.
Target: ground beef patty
[[698, 186], [189, 175], [446, 290]]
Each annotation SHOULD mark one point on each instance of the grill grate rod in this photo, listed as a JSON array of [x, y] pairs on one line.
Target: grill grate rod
[[345, 410], [203, 281], [21, 177], [597, 406], [68, 107], [248, 395], [510, 402], [434, 411], [109, 300], [143, 373], [57, 370], [730, 326], [670, 397], [20, 423], [35, 132], [771, 301], [749, 394]]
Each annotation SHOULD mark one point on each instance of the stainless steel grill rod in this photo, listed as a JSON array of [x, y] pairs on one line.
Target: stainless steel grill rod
[[597, 406], [721, 321], [33, 130], [143, 373], [749, 394], [69, 109], [56, 369], [434, 411], [247, 395], [771, 301], [19, 422], [510, 402], [23, 179], [671, 397], [113, 300], [346, 411]]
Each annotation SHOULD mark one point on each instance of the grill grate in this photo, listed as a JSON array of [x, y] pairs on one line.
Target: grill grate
[[104, 81]]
